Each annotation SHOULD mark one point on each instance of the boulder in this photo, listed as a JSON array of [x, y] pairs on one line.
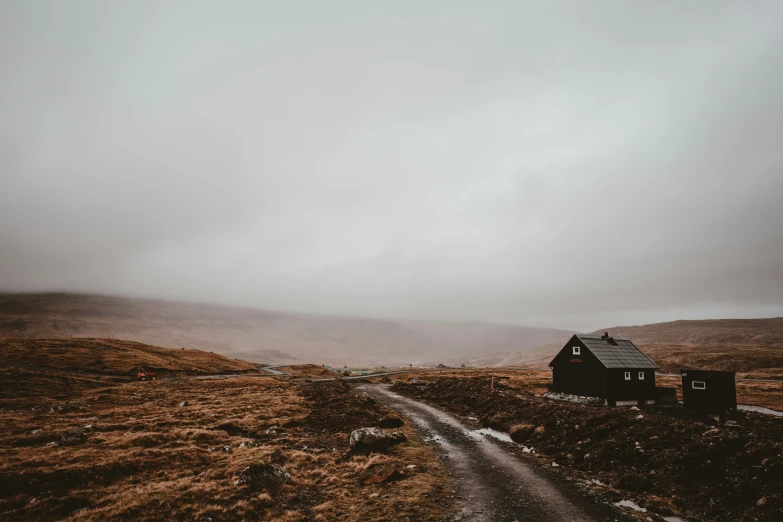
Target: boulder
[[391, 421], [72, 437], [263, 476], [521, 432], [366, 440]]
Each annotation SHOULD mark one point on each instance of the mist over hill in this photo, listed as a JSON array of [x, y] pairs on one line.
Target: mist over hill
[[261, 335], [749, 346]]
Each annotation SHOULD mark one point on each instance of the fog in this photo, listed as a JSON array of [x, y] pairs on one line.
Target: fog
[[565, 164]]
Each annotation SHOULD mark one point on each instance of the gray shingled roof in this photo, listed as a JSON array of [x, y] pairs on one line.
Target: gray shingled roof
[[616, 352]]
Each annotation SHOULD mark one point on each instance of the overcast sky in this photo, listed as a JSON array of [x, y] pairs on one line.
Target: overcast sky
[[577, 164]]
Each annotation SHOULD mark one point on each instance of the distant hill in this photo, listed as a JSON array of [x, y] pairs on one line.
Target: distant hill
[[748, 346], [261, 335], [112, 357]]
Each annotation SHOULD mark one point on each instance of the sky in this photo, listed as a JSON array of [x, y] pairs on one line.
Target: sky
[[565, 164]]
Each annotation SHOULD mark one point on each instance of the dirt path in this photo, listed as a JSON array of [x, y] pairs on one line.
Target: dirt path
[[492, 484]]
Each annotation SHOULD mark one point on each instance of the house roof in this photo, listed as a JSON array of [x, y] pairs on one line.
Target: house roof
[[616, 352]]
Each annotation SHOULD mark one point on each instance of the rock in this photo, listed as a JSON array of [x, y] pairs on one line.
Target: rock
[[521, 432], [540, 430], [263, 476], [390, 421], [366, 440], [386, 379], [183, 404], [761, 501], [415, 381], [73, 437], [273, 430], [380, 474]]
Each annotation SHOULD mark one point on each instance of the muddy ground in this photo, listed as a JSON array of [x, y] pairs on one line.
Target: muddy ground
[[174, 449], [493, 482], [666, 460]]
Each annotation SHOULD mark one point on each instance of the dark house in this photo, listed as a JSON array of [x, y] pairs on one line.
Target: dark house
[[611, 368], [709, 391]]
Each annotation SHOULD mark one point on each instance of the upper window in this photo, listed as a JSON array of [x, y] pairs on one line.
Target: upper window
[[577, 350], [699, 385], [641, 376], [627, 376]]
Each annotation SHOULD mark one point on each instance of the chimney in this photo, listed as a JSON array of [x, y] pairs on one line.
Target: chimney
[[606, 335]]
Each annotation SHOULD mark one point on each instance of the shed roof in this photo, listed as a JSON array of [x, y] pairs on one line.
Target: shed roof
[[616, 352]]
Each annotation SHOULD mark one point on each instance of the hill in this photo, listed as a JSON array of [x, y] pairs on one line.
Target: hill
[[261, 335], [747, 346], [112, 357]]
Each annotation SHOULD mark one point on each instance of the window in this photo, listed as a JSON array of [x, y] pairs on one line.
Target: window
[[627, 376], [699, 385], [641, 376], [577, 350]]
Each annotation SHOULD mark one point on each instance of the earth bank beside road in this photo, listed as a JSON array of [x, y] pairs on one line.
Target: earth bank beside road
[[664, 459]]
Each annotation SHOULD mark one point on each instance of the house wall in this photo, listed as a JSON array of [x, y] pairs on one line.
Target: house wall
[[719, 395], [635, 389], [578, 374]]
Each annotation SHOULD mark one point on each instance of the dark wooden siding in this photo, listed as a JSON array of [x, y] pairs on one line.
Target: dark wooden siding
[[582, 375], [719, 395], [635, 389]]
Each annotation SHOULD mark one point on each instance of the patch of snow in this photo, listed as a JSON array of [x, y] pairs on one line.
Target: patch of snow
[[479, 434], [598, 482], [760, 409], [525, 449], [555, 464], [673, 519], [571, 398], [632, 505], [433, 438]]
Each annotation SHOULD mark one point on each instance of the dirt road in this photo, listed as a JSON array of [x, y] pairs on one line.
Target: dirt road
[[492, 483]]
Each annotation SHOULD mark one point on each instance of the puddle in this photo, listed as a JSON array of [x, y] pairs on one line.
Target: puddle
[[632, 505], [495, 434], [479, 434], [760, 409]]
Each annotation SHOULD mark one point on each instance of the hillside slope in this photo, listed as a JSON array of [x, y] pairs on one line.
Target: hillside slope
[[747, 346], [112, 357], [260, 335]]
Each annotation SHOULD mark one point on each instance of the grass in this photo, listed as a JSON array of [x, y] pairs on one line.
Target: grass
[[148, 458], [113, 357]]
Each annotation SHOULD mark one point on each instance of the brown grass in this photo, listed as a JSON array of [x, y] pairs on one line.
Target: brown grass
[[113, 357], [536, 382], [147, 458], [312, 371]]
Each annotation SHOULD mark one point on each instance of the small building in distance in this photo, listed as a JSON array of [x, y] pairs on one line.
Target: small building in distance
[[611, 368], [710, 391]]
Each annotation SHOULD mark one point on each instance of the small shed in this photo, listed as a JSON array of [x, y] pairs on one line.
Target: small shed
[[710, 391], [611, 368]]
